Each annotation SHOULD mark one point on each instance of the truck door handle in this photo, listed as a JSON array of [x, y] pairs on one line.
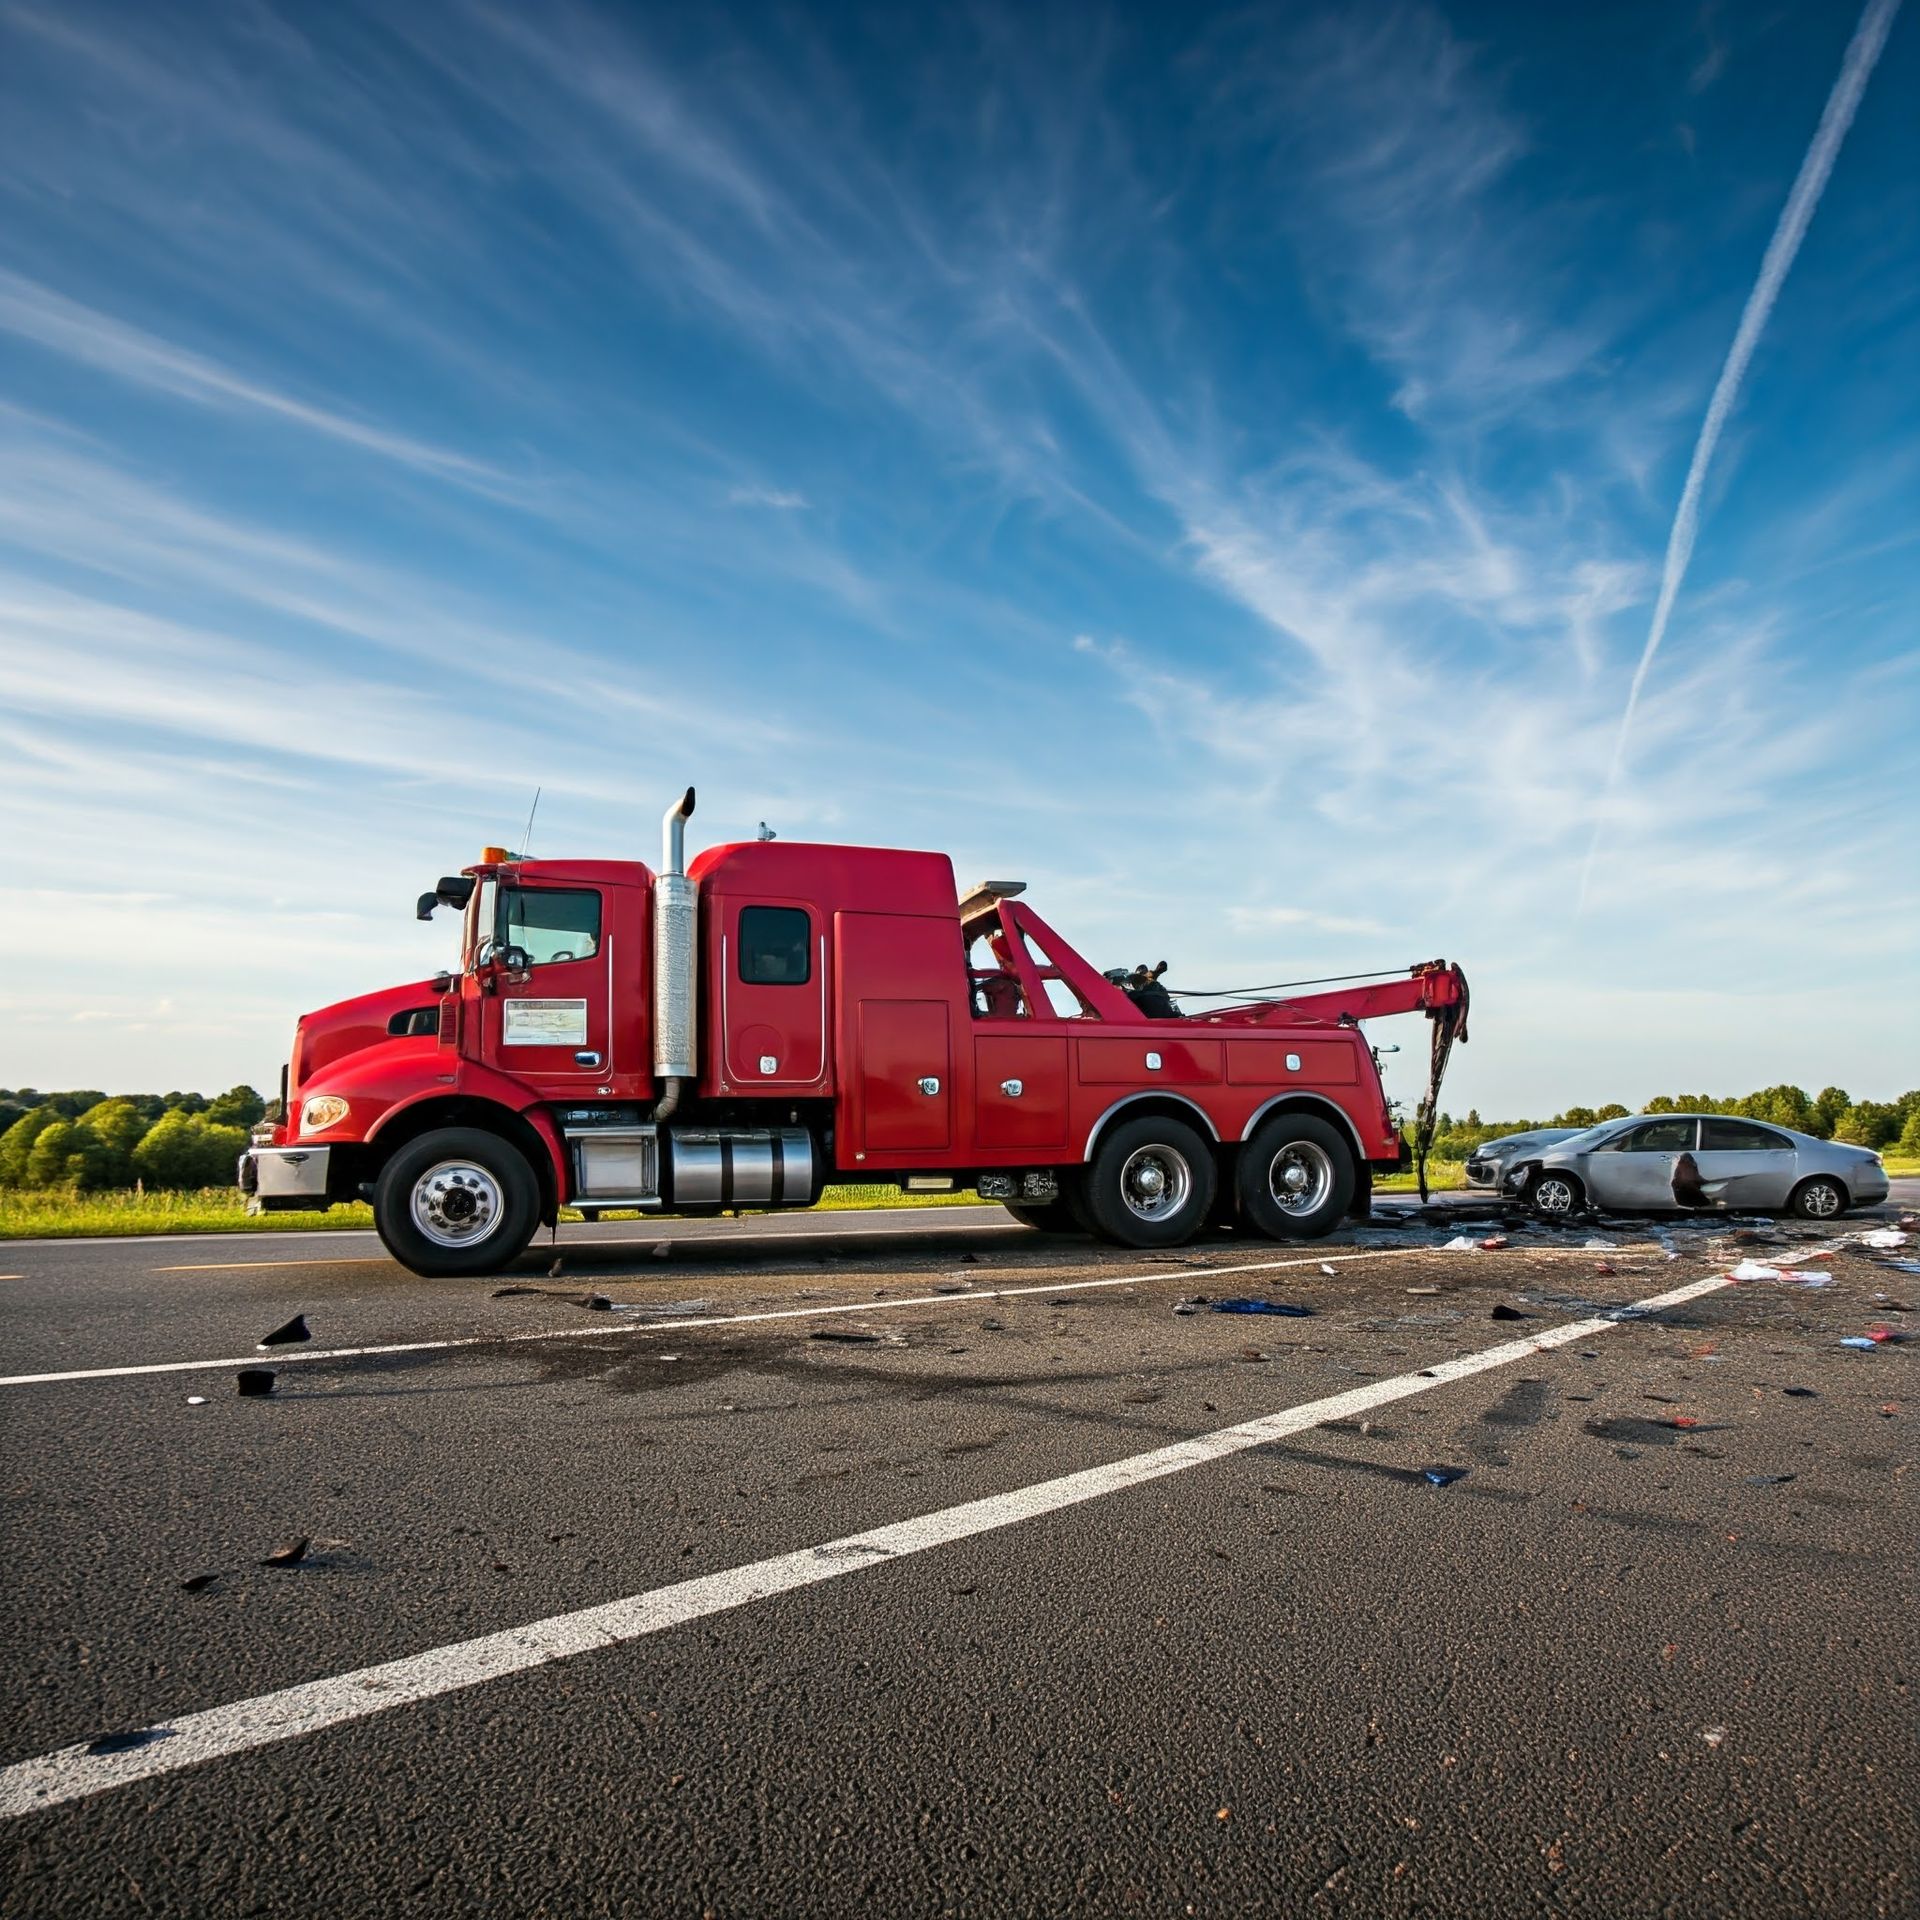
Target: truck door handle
[[1013, 1089], [930, 1085], [586, 1058]]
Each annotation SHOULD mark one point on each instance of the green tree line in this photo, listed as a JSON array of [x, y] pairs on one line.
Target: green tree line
[[87, 1140], [1831, 1114]]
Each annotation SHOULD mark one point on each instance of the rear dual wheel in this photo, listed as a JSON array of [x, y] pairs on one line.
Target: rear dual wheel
[[1150, 1184], [1296, 1178]]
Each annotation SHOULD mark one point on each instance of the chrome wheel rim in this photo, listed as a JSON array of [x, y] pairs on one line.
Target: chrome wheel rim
[[457, 1204], [1821, 1200], [1554, 1195], [1300, 1177], [1155, 1182]]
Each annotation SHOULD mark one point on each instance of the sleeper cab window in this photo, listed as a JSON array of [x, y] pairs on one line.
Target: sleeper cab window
[[775, 950]]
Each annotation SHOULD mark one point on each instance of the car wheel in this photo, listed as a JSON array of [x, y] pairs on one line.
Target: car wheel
[[1819, 1199], [1296, 1178], [1050, 1216], [457, 1201], [1150, 1183], [1555, 1195]]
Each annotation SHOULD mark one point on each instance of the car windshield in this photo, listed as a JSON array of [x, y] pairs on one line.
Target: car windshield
[[1586, 1142]]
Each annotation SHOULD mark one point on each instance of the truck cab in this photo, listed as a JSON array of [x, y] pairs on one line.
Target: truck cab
[[738, 1032]]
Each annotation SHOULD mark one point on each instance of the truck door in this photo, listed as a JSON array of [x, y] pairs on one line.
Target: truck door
[[772, 966], [552, 1027], [901, 992]]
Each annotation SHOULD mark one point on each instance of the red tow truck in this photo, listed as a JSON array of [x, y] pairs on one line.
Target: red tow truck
[[737, 1033]]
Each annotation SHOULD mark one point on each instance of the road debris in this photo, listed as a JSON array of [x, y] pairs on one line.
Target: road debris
[[284, 1336], [289, 1553], [1443, 1476], [662, 1250], [1713, 1735], [254, 1382], [1422, 1289], [1885, 1238], [1505, 1312], [1494, 1242], [1860, 1343], [128, 1742], [1262, 1306], [1769, 1479], [839, 1338], [1755, 1270], [198, 1582], [553, 1272], [1800, 1393], [196, 1399], [595, 1303]]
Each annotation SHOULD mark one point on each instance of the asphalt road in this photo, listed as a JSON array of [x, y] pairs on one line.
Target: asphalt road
[[998, 1602]]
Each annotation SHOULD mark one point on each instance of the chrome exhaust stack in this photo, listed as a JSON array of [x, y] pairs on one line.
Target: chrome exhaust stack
[[676, 902]]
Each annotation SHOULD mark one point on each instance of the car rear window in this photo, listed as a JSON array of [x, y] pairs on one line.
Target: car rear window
[[1740, 1136]]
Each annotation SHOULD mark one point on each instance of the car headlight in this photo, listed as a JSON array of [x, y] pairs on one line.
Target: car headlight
[[322, 1111]]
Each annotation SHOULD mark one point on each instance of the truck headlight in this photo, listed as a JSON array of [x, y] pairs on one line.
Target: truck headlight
[[322, 1111]]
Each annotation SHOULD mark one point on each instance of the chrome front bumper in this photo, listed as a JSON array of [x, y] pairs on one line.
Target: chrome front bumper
[[285, 1176]]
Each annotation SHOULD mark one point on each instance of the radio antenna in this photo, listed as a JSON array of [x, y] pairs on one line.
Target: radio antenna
[[526, 839]]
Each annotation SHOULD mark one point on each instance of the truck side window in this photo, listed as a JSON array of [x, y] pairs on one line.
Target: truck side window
[[549, 925], [774, 947]]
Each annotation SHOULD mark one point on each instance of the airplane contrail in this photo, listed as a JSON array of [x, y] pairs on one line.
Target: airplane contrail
[[1855, 70]]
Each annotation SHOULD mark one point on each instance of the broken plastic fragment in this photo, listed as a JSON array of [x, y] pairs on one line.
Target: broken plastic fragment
[[198, 1582], [252, 1382], [1754, 1270], [196, 1399], [1885, 1237], [1493, 1242], [1460, 1243], [127, 1742], [1261, 1306], [1860, 1342], [1713, 1735], [289, 1553], [596, 1303], [282, 1336], [1505, 1312], [848, 1339], [1443, 1476]]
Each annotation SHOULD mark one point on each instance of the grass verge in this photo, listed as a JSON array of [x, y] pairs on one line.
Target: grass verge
[[69, 1216]]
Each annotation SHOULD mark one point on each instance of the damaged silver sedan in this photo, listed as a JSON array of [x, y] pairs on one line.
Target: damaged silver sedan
[[1697, 1162]]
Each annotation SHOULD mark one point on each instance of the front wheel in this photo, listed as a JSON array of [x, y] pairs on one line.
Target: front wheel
[[1555, 1196], [1149, 1184], [1819, 1199], [455, 1202], [1296, 1178]]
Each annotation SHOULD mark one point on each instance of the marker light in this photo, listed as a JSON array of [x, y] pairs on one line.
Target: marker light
[[322, 1111]]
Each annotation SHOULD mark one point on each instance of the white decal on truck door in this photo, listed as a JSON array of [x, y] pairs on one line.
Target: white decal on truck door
[[543, 1023]]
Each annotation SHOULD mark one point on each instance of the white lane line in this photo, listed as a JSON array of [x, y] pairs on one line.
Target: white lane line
[[278, 1357], [73, 1773], [565, 1247]]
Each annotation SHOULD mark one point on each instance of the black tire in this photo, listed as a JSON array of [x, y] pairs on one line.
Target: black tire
[[1048, 1216], [1290, 1147], [473, 1174], [1821, 1198], [1555, 1195], [1150, 1183]]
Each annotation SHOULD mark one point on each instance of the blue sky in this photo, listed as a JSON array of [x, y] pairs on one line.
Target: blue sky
[[1214, 463]]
